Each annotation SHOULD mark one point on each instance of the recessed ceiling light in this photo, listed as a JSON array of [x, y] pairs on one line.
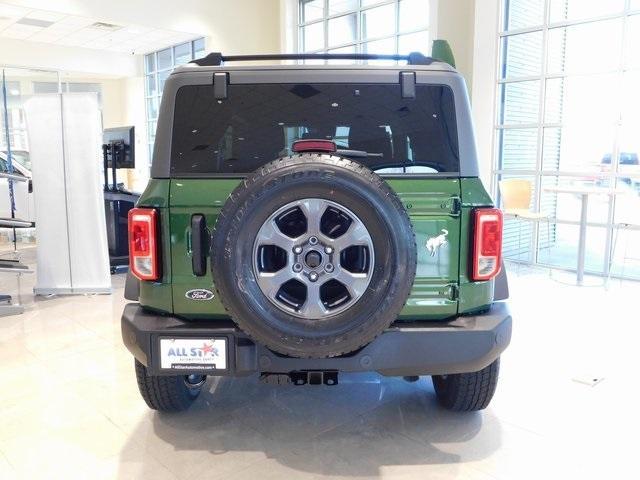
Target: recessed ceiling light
[[34, 22]]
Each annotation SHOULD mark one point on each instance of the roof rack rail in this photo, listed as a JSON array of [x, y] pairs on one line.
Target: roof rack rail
[[216, 58]]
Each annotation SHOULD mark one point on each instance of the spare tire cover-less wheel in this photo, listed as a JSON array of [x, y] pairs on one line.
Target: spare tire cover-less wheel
[[313, 255]]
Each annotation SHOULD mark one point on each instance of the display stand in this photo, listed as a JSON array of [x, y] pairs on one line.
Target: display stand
[[111, 151], [13, 266], [7, 307], [117, 200]]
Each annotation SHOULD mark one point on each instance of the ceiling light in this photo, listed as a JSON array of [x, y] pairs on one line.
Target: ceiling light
[[34, 22]]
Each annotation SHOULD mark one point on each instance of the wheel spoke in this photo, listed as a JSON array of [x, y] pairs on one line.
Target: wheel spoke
[[313, 307], [313, 208], [355, 283], [356, 235], [270, 282], [270, 234]]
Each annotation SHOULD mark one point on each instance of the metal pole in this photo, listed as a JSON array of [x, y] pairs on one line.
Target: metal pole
[[583, 238], [12, 201]]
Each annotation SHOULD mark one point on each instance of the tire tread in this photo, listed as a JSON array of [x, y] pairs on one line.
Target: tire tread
[[467, 392], [163, 393]]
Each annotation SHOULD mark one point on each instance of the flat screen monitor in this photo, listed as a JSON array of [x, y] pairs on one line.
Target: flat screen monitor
[[124, 139]]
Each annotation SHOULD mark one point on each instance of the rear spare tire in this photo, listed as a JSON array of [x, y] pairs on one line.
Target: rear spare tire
[[313, 255]]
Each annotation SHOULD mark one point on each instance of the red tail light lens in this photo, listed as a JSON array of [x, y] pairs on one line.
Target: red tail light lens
[[143, 245], [487, 243]]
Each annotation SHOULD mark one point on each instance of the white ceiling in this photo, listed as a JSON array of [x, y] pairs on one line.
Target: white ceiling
[[57, 28]]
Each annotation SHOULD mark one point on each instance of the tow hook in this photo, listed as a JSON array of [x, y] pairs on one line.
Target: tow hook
[[301, 378]]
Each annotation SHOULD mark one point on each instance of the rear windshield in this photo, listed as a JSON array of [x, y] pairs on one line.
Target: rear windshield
[[258, 123]]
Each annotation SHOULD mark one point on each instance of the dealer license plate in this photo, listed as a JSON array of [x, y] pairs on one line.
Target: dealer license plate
[[193, 353]]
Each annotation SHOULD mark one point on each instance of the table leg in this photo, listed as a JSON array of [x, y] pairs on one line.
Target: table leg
[[582, 238]]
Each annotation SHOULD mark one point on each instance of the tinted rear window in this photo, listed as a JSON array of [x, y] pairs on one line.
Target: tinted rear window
[[258, 123]]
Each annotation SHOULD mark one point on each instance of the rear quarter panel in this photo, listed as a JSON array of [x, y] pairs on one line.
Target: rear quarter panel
[[474, 296], [157, 295]]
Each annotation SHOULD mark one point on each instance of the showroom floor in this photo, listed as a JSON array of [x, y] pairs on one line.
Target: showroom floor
[[69, 405]]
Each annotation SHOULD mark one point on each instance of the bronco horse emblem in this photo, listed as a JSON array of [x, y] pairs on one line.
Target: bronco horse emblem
[[434, 243]]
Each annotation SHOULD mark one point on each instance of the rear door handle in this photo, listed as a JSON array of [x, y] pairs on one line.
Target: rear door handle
[[199, 244]]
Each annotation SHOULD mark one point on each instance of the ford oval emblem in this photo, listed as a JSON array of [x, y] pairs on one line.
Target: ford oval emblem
[[199, 294]]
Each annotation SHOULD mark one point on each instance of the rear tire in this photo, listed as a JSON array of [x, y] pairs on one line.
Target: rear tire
[[166, 393], [467, 392]]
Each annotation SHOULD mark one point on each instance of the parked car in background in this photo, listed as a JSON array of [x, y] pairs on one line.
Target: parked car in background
[[23, 191], [629, 164]]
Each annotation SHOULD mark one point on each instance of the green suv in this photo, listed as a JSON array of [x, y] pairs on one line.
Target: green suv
[[307, 220]]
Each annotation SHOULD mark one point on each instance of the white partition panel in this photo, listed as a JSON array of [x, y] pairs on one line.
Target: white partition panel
[[65, 138]]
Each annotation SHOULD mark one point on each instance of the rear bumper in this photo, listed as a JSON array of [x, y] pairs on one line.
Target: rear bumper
[[464, 344]]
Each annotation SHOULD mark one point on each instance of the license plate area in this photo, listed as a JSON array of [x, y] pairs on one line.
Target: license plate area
[[193, 354]]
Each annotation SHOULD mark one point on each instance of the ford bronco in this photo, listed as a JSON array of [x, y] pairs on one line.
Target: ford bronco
[[307, 220]]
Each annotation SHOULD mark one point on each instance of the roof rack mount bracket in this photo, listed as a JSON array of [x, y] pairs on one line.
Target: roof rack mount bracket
[[220, 82], [408, 84]]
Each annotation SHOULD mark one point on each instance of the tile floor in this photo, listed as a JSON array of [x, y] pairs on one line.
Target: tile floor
[[69, 405]]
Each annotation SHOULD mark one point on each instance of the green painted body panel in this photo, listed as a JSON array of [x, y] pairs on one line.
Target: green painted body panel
[[432, 207], [441, 289], [474, 194], [156, 194]]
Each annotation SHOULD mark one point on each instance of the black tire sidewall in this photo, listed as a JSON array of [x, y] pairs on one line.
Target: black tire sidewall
[[313, 176]]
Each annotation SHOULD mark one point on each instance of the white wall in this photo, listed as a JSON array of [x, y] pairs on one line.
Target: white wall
[[485, 58], [113, 104], [288, 26], [455, 23], [134, 114]]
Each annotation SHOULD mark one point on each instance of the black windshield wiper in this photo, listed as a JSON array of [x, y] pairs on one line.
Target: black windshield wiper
[[357, 153]]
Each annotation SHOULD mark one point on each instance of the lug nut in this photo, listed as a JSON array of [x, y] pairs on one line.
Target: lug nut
[[328, 250], [297, 249], [328, 267], [297, 267], [313, 276], [313, 240]]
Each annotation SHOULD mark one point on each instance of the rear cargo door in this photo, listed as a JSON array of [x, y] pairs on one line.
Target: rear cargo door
[[433, 205]]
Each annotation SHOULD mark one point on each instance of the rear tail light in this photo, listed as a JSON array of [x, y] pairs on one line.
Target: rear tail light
[[487, 243], [143, 244]]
